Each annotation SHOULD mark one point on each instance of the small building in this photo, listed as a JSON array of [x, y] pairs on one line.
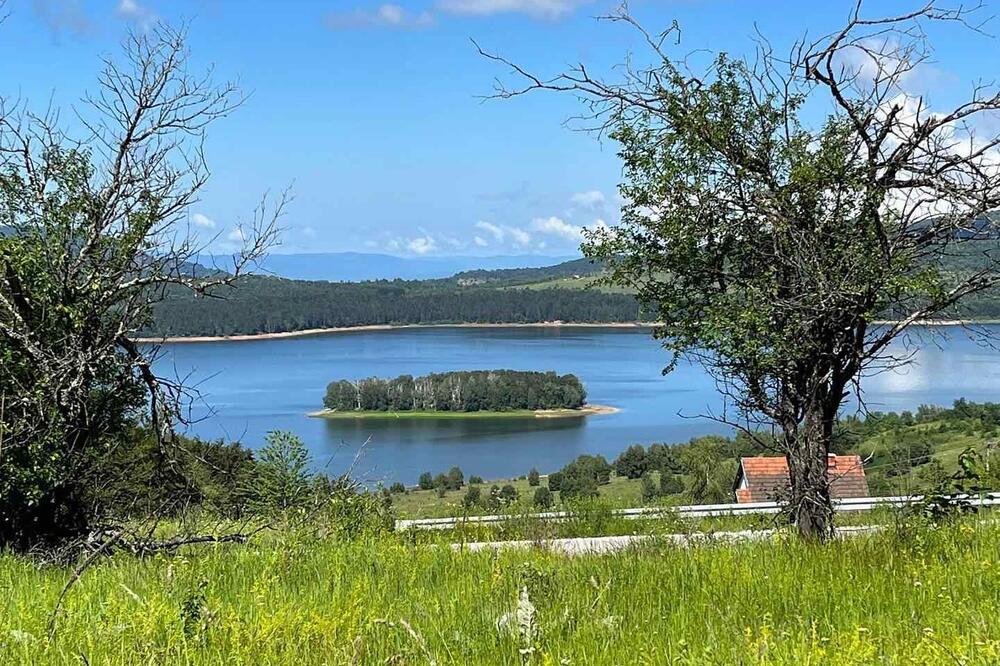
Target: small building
[[766, 478]]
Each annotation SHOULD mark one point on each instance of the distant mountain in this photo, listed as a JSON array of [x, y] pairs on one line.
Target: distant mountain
[[359, 266]]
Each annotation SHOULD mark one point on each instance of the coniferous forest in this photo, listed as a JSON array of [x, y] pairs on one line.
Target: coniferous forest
[[469, 391]]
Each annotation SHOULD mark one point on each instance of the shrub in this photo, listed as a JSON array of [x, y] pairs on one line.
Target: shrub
[[397, 488], [632, 462], [582, 477], [543, 498], [473, 496], [426, 481], [284, 477], [534, 478], [508, 494], [492, 501], [670, 484], [475, 479], [441, 491], [649, 489], [555, 481], [442, 481]]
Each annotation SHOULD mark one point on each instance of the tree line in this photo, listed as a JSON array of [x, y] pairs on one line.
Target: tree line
[[274, 305], [464, 391]]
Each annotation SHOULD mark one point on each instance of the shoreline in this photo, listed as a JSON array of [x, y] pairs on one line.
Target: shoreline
[[369, 328], [587, 410], [249, 337]]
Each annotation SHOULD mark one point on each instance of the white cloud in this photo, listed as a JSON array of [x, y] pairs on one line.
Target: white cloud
[[236, 235], [554, 226], [492, 229], [422, 245], [589, 199], [132, 10], [480, 241], [549, 10], [519, 236], [386, 15], [203, 221]]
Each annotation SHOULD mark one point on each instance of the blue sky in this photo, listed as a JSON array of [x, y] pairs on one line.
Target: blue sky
[[372, 109]]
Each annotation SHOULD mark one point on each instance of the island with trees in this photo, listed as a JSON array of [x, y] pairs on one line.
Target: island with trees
[[462, 394]]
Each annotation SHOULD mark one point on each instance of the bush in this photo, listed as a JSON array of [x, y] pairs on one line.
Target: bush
[[632, 462], [473, 496], [555, 481], [508, 494], [442, 481], [492, 501], [426, 481], [543, 498], [397, 488], [475, 479], [441, 491], [670, 484], [455, 478], [284, 477], [534, 478], [650, 491], [582, 477]]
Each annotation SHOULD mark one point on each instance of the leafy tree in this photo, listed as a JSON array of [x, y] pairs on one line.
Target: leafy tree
[[632, 462], [650, 490], [534, 478], [555, 481], [442, 481], [475, 479], [94, 235], [770, 240], [284, 471], [455, 478], [426, 481], [473, 497], [508, 494], [543, 498], [397, 488], [670, 484]]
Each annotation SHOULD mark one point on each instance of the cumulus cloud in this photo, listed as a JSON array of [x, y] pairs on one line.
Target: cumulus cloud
[[589, 199], [132, 10], [387, 15], [421, 245], [549, 10], [554, 226], [203, 221], [492, 229]]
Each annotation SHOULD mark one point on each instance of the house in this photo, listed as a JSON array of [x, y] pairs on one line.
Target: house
[[766, 479]]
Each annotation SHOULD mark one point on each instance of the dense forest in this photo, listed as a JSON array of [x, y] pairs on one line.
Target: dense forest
[[272, 305], [470, 391], [264, 304]]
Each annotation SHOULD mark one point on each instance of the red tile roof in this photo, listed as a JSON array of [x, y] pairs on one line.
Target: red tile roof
[[767, 478]]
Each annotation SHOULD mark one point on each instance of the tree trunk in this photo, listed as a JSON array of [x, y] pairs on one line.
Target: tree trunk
[[810, 505]]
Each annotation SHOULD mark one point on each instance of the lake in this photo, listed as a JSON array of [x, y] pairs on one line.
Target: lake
[[251, 387]]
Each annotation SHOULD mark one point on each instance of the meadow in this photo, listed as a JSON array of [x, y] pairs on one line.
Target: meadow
[[915, 595]]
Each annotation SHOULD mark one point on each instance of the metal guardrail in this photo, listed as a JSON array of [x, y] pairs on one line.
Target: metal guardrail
[[691, 511]]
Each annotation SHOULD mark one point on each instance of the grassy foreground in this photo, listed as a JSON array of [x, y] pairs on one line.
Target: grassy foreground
[[927, 598]]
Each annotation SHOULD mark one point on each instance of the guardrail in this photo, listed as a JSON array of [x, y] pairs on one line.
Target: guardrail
[[691, 511]]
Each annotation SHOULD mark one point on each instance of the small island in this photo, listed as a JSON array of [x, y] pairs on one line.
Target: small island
[[460, 395]]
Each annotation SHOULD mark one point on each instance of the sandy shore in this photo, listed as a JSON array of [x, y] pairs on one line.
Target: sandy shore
[[588, 410], [380, 327]]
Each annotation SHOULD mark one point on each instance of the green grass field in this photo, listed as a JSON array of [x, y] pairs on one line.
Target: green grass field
[[926, 597]]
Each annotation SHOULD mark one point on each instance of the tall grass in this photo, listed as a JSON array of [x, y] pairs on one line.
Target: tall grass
[[926, 597]]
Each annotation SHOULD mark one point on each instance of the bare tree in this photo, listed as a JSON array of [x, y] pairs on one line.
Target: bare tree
[[95, 233], [772, 246]]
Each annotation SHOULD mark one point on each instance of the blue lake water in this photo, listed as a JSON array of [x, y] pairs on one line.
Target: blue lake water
[[251, 387]]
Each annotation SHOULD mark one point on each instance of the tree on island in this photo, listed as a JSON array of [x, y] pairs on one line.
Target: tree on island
[[469, 391], [770, 244]]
